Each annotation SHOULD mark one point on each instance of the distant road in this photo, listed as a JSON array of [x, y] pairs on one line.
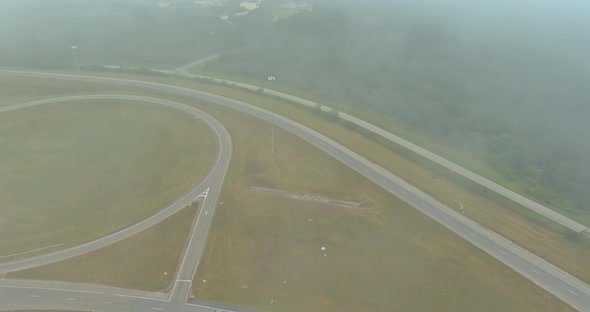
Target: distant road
[[184, 68], [563, 285], [213, 179]]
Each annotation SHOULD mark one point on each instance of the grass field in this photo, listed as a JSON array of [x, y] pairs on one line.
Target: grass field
[[71, 172], [145, 261], [527, 229], [397, 258], [501, 216], [265, 251]]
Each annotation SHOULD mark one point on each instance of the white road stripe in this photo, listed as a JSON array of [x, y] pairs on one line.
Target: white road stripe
[[573, 293], [106, 302], [536, 271], [34, 296], [473, 235], [157, 308], [403, 192], [71, 299], [447, 219], [502, 251]]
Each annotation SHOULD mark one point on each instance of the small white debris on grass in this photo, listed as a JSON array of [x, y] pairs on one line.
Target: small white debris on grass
[[323, 248], [325, 255], [309, 220], [204, 281], [165, 273]]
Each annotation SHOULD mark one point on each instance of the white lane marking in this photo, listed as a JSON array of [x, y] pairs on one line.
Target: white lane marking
[[404, 192], [106, 302], [187, 281], [33, 296], [473, 235], [447, 219], [160, 309], [71, 299], [536, 271], [206, 212], [422, 204], [573, 293], [502, 251]]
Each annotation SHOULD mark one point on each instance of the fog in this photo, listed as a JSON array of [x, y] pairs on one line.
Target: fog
[[505, 82]]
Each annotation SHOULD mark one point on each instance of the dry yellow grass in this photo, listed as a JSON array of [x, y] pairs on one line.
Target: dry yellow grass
[[147, 260]]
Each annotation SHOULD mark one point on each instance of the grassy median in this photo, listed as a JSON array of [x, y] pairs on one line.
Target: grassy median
[[71, 172]]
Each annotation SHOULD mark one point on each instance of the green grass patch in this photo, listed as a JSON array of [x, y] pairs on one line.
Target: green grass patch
[[146, 260], [71, 172]]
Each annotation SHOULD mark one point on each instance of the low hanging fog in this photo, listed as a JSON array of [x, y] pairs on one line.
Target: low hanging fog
[[506, 82]]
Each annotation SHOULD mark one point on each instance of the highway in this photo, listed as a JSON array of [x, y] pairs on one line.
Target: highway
[[556, 281], [525, 202]]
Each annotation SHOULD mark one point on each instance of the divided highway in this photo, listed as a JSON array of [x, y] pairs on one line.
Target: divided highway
[[563, 285]]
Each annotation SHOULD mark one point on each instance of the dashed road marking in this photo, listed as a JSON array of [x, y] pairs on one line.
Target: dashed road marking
[[71, 299], [206, 212], [502, 251], [573, 293], [160, 309], [33, 296], [106, 302], [473, 235], [447, 219], [403, 192], [536, 271]]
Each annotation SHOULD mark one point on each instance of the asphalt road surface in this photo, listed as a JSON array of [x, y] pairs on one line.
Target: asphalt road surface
[[561, 284]]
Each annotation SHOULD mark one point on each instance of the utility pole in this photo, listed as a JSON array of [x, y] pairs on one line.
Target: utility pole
[[272, 118], [77, 57]]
